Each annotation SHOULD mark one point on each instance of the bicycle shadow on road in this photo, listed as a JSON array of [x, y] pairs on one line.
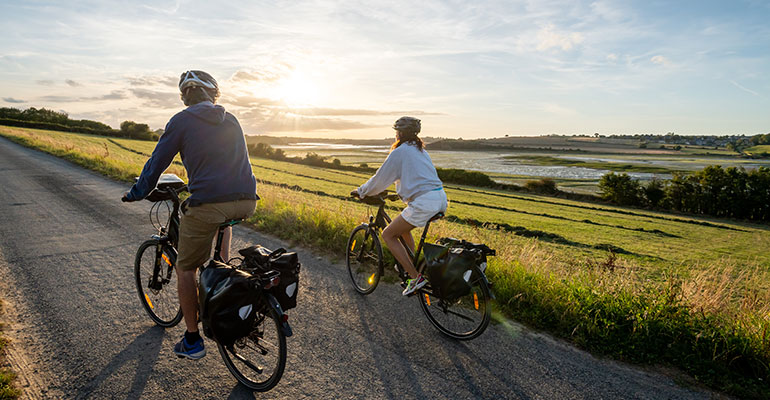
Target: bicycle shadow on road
[[143, 351], [441, 366]]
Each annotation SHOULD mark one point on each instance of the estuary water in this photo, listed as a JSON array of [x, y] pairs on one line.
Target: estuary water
[[482, 161]]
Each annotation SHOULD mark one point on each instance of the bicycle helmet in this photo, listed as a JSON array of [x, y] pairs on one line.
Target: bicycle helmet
[[408, 125], [195, 78]]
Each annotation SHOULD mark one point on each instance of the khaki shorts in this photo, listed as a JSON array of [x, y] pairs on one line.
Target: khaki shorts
[[199, 226]]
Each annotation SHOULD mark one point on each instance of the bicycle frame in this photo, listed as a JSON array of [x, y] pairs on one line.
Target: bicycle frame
[[382, 219], [168, 238]]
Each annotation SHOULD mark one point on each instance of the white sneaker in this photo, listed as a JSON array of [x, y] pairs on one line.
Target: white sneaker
[[414, 284]]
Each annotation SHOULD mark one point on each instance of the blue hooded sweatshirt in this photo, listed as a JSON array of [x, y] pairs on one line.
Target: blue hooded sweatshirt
[[213, 150]]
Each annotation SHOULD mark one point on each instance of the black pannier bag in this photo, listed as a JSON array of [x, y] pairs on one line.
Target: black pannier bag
[[261, 259], [229, 302], [449, 270]]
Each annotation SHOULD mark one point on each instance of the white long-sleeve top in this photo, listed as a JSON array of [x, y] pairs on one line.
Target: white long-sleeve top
[[411, 169]]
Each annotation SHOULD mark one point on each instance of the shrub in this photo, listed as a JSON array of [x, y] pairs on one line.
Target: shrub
[[463, 177], [545, 185]]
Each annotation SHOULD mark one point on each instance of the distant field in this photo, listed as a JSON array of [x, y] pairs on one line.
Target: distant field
[[554, 267], [765, 148]]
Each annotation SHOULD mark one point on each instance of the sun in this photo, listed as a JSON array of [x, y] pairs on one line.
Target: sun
[[298, 89]]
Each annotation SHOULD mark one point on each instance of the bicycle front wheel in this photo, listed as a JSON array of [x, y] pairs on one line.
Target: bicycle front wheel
[[258, 360], [364, 259], [157, 291], [463, 318]]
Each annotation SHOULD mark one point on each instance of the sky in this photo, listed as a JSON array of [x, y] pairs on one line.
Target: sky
[[349, 69]]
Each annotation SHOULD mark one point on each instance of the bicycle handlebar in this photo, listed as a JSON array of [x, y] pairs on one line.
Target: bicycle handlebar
[[379, 198]]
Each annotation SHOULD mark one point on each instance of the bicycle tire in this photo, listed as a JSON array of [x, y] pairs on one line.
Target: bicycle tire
[[464, 318], [363, 255], [161, 305], [256, 343]]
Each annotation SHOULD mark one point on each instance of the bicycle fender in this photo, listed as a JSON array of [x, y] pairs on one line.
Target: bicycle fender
[[489, 286], [277, 307]]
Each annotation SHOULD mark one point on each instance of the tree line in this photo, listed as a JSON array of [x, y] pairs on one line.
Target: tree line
[[42, 118], [732, 192]]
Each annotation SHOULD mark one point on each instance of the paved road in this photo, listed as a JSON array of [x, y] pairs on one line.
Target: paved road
[[66, 250]]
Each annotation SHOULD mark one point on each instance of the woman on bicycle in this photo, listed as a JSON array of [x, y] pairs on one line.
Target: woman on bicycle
[[418, 185]]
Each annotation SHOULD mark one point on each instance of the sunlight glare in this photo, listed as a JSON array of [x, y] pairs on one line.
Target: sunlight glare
[[298, 90]]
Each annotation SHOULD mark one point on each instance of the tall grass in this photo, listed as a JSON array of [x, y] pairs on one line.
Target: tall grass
[[707, 318], [7, 389]]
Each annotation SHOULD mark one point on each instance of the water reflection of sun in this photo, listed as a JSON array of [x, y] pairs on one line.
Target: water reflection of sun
[[298, 89]]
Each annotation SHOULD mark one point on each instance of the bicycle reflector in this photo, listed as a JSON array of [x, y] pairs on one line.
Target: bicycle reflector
[[146, 297], [371, 279], [353, 245], [273, 282]]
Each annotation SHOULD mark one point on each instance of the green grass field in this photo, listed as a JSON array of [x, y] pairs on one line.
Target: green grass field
[[764, 148], [678, 290]]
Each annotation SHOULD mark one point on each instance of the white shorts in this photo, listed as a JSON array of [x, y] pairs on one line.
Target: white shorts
[[424, 207]]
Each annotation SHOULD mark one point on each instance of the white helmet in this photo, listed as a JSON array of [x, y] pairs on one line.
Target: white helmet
[[409, 125], [195, 78]]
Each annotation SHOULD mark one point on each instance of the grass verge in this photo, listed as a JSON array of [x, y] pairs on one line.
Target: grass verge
[[7, 389], [711, 321]]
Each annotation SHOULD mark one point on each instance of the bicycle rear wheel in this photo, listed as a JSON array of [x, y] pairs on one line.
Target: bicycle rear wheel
[[158, 298], [364, 259], [464, 318], [258, 360]]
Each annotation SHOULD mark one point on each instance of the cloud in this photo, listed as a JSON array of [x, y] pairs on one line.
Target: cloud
[[153, 81], [58, 99], [660, 60], [739, 86], [556, 109], [319, 111], [157, 98], [72, 83], [548, 38], [273, 105], [114, 95], [250, 101], [256, 76], [45, 82], [12, 100], [284, 123]]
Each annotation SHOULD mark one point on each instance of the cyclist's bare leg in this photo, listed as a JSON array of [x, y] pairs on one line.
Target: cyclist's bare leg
[[409, 240], [188, 298], [226, 239], [399, 227]]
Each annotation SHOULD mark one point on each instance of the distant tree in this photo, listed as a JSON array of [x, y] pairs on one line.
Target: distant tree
[[620, 189], [132, 130], [654, 192]]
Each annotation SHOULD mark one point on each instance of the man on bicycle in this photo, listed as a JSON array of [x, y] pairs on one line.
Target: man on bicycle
[[221, 184]]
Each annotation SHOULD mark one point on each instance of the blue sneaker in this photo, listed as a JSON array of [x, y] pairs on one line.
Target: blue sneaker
[[193, 352]]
